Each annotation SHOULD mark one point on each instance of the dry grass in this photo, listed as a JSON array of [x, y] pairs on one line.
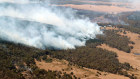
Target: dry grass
[[104, 6], [123, 56], [100, 8], [133, 60], [83, 73], [133, 37]]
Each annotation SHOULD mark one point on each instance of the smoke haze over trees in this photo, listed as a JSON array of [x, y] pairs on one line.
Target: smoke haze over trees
[[43, 26]]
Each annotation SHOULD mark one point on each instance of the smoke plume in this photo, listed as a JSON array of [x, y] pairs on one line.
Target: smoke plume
[[135, 4], [43, 26]]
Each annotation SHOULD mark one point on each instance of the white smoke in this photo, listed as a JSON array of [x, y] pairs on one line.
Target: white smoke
[[135, 4], [15, 1], [43, 26]]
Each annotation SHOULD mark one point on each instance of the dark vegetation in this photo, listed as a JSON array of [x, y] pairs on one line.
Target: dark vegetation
[[115, 40], [88, 13], [90, 57], [132, 19], [16, 59], [95, 58], [130, 28], [110, 37]]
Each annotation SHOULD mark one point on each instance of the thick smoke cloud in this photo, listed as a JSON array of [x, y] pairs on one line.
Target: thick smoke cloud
[[43, 26]]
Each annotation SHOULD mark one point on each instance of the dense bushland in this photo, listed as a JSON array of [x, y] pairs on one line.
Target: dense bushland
[[91, 57], [115, 40], [16, 59]]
